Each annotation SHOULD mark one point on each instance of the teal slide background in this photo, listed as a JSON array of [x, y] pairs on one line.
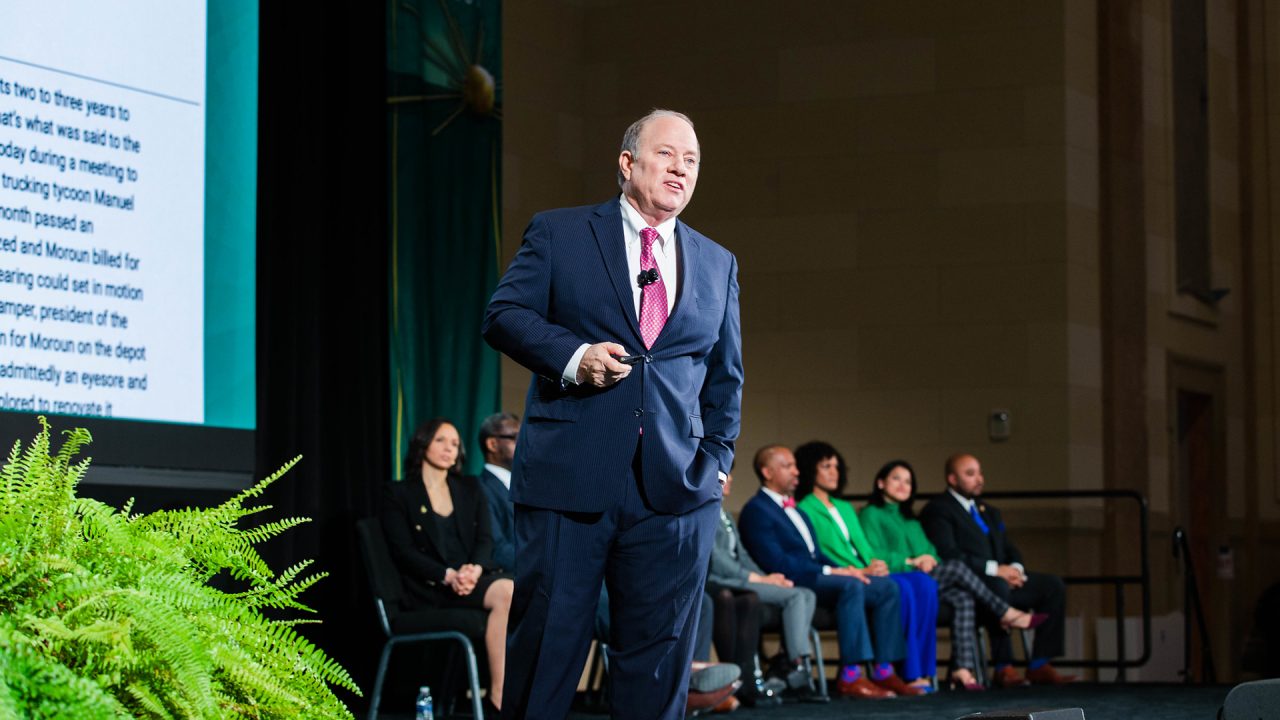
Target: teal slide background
[[230, 213]]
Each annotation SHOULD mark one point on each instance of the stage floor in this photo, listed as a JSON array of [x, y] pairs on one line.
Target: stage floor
[[1100, 702]]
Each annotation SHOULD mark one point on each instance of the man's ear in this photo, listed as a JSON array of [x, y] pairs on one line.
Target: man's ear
[[490, 445], [624, 164]]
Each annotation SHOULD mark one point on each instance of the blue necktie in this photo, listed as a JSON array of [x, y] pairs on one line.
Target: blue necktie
[[977, 517]]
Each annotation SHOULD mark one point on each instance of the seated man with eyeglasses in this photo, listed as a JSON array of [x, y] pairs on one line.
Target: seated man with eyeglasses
[[498, 445]]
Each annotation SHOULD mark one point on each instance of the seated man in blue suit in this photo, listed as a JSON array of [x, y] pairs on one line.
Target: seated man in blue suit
[[781, 540], [498, 434]]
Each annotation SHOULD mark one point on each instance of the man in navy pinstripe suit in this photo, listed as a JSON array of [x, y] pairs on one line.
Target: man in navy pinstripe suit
[[618, 465]]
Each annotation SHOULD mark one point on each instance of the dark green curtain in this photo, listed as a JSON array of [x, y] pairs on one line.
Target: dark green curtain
[[444, 137]]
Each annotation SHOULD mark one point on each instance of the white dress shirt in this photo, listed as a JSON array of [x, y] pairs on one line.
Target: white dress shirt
[[794, 515], [664, 255], [992, 565], [503, 474]]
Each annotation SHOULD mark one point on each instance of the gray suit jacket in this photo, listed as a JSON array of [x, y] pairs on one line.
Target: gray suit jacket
[[730, 563]]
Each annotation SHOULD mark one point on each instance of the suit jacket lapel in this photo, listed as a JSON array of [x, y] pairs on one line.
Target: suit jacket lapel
[[813, 532], [430, 528], [994, 534], [978, 537], [781, 516], [607, 226], [687, 251], [463, 512], [735, 537], [500, 496]]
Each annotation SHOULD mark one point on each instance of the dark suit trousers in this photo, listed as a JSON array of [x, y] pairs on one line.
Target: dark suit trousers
[[655, 567], [868, 618], [1042, 593], [736, 622]]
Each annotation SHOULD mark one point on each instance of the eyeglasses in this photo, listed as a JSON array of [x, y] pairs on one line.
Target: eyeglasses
[[505, 437]]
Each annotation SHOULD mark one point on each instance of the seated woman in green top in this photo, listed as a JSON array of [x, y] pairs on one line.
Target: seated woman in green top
[[891, 527], [822, 478]]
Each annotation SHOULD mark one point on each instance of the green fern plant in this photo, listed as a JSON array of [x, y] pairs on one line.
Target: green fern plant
[[108, 614]]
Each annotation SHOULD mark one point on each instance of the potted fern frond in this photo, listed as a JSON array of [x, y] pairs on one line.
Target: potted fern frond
[[108, 614]]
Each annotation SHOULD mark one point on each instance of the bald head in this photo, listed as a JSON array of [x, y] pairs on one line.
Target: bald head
[[776, 468], [658, 175], [762, 458], [964, 475]]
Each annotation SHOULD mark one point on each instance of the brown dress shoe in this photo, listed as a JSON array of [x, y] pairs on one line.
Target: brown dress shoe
[[1007, 677], [699, 701], [1047, 675], [863, 688], [895, 685], [728, 705]]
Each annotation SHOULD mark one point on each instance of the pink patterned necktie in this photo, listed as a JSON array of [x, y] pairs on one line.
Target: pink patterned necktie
[[653, 297]]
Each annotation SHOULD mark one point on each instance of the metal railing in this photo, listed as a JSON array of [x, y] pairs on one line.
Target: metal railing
[[1192, 607], [1117, 581]]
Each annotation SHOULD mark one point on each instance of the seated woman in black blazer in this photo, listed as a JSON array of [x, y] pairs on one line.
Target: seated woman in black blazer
[[437, 527]]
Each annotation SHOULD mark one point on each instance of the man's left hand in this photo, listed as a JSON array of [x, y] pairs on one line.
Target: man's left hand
[[852, 571], [1011, 575], [877, 568]]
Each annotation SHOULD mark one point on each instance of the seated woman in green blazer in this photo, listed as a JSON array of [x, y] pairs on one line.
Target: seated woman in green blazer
[[839, 535], [891, 527]]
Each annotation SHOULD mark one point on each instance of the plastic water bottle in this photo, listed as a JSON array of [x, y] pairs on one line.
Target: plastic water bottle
[[424, 709]]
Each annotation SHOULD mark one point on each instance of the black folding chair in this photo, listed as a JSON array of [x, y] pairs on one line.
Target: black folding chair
[[823, 619], [405, 627]]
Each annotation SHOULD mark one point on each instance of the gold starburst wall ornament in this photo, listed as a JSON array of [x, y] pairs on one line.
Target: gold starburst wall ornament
[[478, 90], [471, 84]]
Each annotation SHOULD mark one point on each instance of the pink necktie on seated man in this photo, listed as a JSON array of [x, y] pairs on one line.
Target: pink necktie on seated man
[[653, 297]]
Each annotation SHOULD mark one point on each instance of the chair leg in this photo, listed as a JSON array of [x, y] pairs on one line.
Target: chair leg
[[375, 698], [1026, 645], [817, 656], [446, 694], [598, 677], [982, 655], [604, 675], [593, 671], [473, 674]]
